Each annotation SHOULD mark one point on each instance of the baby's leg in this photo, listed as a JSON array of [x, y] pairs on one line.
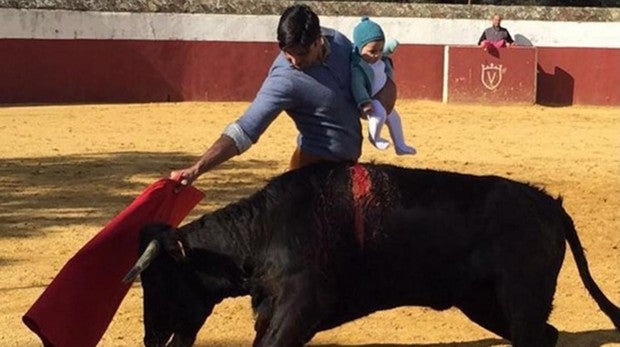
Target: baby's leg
[[375, 124], [396, 132]]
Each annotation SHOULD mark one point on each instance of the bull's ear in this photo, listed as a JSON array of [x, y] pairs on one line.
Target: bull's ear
[[170, 239], [152, 232], [153, 237]]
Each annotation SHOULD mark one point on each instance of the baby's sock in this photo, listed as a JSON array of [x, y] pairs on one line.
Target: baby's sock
[[396, 132], [375, 125]]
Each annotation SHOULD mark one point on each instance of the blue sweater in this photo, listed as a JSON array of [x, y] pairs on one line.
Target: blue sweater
[[318, 99]]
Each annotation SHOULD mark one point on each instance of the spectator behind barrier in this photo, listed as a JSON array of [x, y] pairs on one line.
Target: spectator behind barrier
[[496, 36]]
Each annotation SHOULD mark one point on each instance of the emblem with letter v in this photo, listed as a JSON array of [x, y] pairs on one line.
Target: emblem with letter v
[[491, 75]]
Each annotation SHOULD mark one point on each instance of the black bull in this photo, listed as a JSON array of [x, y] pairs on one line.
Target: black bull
[[326, 244]]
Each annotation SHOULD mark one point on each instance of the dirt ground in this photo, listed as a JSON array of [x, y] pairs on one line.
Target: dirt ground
[[67, 170]]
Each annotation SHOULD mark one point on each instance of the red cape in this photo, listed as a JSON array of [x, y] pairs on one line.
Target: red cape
[[78, 305]]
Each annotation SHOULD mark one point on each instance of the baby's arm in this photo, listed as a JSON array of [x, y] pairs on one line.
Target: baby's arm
[[359, 90]]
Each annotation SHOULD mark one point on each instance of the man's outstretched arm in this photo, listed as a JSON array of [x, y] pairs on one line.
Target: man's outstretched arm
[[220, 151]]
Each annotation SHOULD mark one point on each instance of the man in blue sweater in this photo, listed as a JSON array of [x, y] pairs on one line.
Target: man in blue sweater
[[310, 80]]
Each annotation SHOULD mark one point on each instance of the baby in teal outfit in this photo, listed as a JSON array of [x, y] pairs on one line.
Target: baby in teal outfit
[[370, 69]]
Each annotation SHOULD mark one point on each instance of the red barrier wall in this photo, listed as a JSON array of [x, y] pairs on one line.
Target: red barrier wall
[[568, 76], [69, 71], [504, 75], [59, 71], [53, 71], [419, 71]]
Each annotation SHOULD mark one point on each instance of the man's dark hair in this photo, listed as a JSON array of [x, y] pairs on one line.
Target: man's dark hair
[[298, 27]]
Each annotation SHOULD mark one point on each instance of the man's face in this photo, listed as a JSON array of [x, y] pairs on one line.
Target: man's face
[[302, 57], [372, 51], [497, 20]]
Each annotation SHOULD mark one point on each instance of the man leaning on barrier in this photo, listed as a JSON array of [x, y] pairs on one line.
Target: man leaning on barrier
[[496, 36]]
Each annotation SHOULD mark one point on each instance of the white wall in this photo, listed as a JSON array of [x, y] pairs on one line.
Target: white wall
[[58, 24]]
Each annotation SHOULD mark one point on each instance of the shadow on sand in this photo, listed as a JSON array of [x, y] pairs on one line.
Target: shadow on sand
[[594, 338], [56, 192]]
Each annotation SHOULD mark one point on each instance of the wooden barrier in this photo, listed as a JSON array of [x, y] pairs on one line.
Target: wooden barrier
[[419, 71], [504, 75], [69, 71], [584, 76]]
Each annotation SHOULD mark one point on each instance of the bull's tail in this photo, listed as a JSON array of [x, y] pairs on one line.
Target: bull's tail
[[610, 309]]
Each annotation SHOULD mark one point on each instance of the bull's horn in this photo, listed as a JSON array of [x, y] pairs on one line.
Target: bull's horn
[[143, 262]]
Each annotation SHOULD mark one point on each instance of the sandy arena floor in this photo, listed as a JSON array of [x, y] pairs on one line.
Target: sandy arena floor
[[67, 170]]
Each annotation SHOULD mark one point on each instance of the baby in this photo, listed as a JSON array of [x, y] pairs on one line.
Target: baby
[[371, 68]]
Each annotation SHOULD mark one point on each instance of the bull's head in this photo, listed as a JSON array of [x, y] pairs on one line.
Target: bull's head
[[176, 302]]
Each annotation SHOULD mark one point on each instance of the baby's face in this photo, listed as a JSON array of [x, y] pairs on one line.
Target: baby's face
[[372, 51]]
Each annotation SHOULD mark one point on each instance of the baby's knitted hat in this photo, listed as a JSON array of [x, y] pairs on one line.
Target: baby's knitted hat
[[366, 31]]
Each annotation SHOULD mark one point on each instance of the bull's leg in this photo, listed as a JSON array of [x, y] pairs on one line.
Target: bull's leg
[[297, 312], [528, 332], [527, 302], [527, 258], [482, 307], [265, 313], [529, 329]]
